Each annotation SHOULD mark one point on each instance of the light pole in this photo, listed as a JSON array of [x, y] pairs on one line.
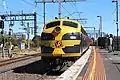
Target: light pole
[[100, 26], [116, 1]]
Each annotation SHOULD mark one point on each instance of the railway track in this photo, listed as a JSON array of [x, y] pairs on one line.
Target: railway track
[[45, 73], [5, 64], [13, 60], [50, 75]]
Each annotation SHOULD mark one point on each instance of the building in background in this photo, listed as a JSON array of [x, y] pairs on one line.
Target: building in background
[[93, 34], [20, 35]]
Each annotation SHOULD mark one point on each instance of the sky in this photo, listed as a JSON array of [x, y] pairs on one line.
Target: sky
[[88, 9]]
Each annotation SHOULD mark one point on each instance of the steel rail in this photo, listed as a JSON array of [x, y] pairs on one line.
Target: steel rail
[[14, 60]]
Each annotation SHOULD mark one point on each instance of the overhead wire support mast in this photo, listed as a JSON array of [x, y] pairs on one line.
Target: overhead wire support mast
[[27, 29], [10, 35], [59, 10], [55, 1], [25, 17], [44, 12]]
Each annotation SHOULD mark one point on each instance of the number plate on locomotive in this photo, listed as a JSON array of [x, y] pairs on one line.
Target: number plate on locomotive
[[58, 44]]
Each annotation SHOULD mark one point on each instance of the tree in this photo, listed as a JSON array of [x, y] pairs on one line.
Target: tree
[[31, 44], [36, 40], [14, 41]]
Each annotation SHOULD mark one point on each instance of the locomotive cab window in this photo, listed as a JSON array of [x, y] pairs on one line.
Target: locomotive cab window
[[71, 24], [53, 24]]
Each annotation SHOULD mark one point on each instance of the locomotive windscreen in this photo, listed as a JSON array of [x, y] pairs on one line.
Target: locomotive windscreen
[[71, 24], [53, 24]]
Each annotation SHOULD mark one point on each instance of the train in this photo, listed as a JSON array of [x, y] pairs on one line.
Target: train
[[63, 40]]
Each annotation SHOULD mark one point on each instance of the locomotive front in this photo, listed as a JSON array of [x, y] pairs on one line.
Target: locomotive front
[[61, 40]]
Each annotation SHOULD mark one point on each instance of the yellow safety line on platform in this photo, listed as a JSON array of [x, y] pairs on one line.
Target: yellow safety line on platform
[[92, 73]]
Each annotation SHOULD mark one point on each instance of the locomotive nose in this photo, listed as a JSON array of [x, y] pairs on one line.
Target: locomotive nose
[[57, 29]]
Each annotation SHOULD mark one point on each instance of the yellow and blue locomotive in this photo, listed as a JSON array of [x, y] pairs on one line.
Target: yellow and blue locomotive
[[63, 40]]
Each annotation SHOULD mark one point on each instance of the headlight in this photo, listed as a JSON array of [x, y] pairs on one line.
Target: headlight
[[72, 37]]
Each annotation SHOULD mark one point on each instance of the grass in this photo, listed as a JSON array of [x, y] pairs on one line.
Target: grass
[[27, 51]]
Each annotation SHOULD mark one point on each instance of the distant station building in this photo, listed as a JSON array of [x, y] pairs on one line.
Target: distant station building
[[93, 34], [19, 35]]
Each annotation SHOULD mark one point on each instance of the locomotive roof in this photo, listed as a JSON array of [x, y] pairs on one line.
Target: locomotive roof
[[82, 29], [64, 20]]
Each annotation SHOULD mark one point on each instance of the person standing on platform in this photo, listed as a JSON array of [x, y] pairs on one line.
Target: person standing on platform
[[106, 42], [110, 43]]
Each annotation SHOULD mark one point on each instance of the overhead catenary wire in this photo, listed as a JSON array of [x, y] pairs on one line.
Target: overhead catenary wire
[[32, 5], [73, 4], [8, 9], [65, 9], [76, 11], [114, 11], [75, 7], [68, 15], [4, 5], [35, 5]]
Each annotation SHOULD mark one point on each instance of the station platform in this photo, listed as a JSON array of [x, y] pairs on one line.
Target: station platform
[[102, 66]]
